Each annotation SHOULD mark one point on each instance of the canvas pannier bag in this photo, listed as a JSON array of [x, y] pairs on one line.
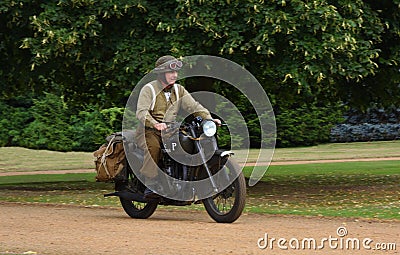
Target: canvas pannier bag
[[110, 158]]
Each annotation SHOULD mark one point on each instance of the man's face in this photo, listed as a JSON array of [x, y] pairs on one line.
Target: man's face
[[171, 77]]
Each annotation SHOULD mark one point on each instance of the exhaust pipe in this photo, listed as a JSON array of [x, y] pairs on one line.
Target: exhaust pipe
[[127, 196]]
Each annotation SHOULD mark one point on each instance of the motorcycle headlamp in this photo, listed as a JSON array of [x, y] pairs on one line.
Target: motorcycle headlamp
[[209, 128]]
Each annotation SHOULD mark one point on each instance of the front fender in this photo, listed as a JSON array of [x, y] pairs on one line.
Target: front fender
[[223, 153], [218, 160]]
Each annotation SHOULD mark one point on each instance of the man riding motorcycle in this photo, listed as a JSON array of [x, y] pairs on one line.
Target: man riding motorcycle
[[156, 99]]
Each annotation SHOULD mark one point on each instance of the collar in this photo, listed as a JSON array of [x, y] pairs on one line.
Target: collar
[[168, 88]]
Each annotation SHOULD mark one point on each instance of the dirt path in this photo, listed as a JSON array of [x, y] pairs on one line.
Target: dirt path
[[55, 229], [51, 229]]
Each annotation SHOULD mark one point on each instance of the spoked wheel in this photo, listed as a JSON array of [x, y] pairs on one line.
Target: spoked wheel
[[228, 205], [135, 209], [138, 210]]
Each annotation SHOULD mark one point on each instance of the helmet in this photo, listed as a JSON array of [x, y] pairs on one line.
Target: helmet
[[167, 63]]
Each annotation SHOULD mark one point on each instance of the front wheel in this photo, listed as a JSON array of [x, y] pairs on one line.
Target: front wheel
[[228, 205]]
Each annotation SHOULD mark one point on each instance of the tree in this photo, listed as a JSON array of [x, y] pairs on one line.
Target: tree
[[16, 78], [305, 53], [299, 50]]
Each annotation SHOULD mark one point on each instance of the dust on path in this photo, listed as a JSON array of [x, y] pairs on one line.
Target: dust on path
[[52, 229]]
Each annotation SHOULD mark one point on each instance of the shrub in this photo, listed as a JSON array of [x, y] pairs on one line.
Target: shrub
[[90, 127], [373, 115], [49, 124], [365, 132], [50, 128], [376, 124], [12, 119], [306, 125]]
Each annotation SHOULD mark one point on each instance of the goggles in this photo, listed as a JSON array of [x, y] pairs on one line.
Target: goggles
[[173, 65]]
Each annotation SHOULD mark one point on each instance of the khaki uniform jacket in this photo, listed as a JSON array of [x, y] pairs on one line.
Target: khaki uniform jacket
[[166, 110]]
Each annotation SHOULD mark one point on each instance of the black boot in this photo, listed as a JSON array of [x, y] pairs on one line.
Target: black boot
[[149, 193]]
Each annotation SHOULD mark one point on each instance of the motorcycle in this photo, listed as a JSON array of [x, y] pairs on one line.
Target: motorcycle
[[196, 171]]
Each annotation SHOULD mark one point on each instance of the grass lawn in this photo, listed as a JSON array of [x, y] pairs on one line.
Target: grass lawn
[[382, 149], [16, 159], [349, 189]]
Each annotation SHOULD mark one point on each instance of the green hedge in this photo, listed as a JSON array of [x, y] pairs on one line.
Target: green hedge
[[306, 125], [12, 119], [49, 124]]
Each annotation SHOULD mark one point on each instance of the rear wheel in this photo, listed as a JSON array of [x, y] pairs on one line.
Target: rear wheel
[[135, 209], [138, 210], [228, 205]]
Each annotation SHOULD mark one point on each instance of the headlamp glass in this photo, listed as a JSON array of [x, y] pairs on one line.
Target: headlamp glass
[[209, 128]]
